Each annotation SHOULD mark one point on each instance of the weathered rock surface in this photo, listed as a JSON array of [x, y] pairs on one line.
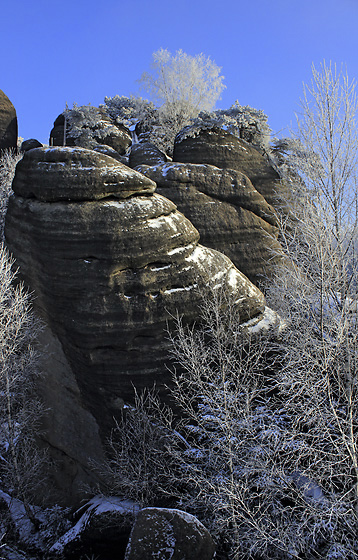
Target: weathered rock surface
[[76, 174], [108, 151], [146, 153], [8, 123], [169, 534], [222, 149], [103, 528], [229, 213], [68, 428], [110, 262], [30, 144], [118, 137]]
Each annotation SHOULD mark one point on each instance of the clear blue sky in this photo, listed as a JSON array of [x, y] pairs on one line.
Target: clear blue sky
[[53, 52]]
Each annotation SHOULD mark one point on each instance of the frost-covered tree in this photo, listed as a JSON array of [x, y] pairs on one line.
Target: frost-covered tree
[[86, 125], [182, 85], [130, 110], [22, 465]]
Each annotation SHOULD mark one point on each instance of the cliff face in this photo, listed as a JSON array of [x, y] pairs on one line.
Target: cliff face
[[110, 263], [112, 254]]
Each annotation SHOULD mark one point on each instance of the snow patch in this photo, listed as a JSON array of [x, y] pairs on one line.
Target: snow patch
[[268, 320], [181, 289], [97, 505]]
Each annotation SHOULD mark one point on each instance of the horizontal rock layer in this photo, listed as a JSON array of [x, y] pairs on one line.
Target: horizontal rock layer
[[222, 149], [229, 213], [108, 272]]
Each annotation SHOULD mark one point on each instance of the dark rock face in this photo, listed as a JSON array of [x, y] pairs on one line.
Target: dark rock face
[[229, 213], [108, 151], [30, 144], [169, 534], [70, 431], [103, 529], [222, 149], [110, 262], [76, 174], [146, 153], [8, 123]]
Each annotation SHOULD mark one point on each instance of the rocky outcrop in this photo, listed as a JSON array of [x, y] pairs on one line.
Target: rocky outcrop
[[8, 123], [117, 137], [146, 153], [110, 262], [229, 213], [169, 534], [222, 149], [30, 144]]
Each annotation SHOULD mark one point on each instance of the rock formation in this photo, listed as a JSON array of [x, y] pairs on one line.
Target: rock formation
[[222, 149], [169, 533], [110, 262], [30, 144], [8, 123], [117, 137], [146, 153], [229, 213]]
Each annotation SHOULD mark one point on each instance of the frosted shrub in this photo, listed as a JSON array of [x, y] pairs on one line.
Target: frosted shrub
[[130, 110], [237, 454], [22, 465], [8, 161], [241, 121], [86, 125]]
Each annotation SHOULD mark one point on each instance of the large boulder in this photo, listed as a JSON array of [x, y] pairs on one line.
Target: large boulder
[[229, 213], [8, 123], [103, 528], [169, 534], [110, 263], [222, 149]]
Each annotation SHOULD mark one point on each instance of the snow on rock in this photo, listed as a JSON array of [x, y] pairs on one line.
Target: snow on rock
[[104, 519]]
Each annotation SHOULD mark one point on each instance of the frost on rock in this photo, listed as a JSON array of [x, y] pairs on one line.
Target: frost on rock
[[96, 507]]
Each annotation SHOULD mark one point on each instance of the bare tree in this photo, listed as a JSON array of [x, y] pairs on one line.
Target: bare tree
[[318, 294], [22, 465]]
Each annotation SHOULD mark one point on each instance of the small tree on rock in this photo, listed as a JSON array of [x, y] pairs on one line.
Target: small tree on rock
[[183, 85]]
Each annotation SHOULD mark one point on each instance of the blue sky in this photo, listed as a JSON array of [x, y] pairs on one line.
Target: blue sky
[[53, 52]]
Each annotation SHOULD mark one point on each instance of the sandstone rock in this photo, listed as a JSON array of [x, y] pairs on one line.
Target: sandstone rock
[[146, 153], [108, 151], [229, 213], [76, 174], [222, 149], [109, 270], [30, 144], [68, 429], [118, 136], [8, 123], [169, 534], [57, 134], [103, 528]]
